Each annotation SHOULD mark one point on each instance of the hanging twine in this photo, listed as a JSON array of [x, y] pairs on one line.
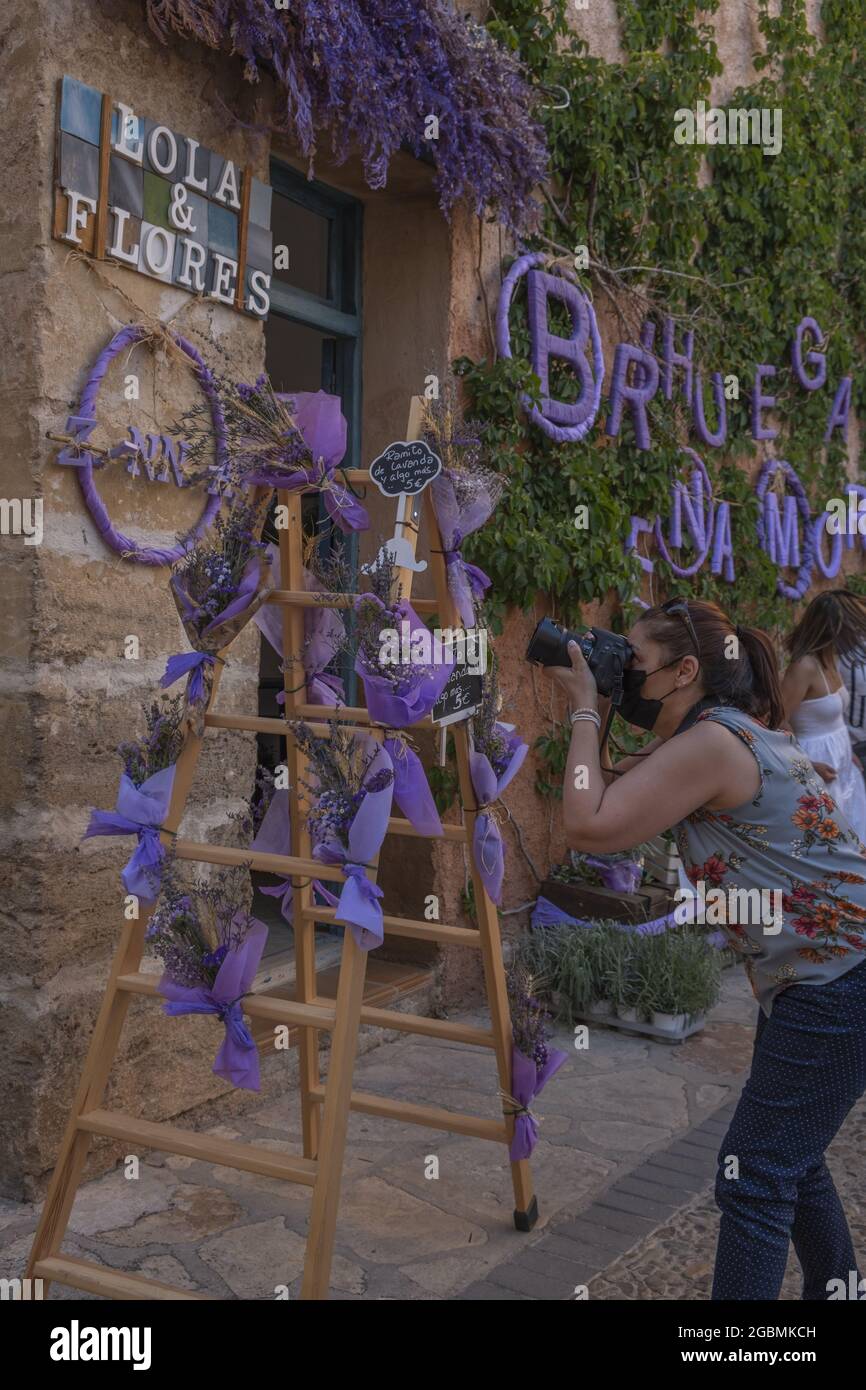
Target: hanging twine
[[517, 1108]]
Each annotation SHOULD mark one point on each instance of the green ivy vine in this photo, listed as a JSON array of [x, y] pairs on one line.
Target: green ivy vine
[[739, 258]]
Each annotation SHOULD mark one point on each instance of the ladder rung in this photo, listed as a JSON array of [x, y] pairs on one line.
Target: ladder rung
[[430, 1115], [406, 926], [396, 826], [427, 1027], [305, 598], [229, 1152], [259, 724], [107, 1283], [256, 1005], [285, 864]]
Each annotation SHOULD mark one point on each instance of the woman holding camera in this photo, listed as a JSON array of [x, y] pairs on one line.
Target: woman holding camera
[[748, 811], [817, 700]]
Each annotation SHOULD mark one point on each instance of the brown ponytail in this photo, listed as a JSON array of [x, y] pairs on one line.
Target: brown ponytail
[[743, 673]]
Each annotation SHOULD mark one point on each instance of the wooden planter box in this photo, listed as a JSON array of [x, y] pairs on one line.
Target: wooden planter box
[[583, 900]]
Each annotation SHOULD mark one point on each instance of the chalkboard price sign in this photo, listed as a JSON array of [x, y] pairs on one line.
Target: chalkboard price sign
[[460, 698], [405, 466]]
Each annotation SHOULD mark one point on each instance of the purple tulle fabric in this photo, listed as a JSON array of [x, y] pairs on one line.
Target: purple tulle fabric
[[487, 847], [324, 632], [358, 906], [323, 426], [623, 876], [527, 1081], [140, 811], [467, 583], [420, 695], [237, 1060]]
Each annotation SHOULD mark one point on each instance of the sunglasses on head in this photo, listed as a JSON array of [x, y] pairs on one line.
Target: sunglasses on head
[[679, 608]]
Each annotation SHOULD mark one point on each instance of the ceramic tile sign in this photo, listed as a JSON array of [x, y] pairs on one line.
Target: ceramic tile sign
[[131, 190], [407, 466]]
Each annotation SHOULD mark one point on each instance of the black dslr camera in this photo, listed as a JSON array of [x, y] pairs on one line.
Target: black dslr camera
[[605, 653]]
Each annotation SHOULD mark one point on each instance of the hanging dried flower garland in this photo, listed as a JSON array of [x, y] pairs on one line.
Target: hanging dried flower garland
[[373, 74]]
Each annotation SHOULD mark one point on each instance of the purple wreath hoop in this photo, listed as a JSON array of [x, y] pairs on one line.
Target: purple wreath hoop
[[684, 571], [561, 434], [127, 547], [804, 574]]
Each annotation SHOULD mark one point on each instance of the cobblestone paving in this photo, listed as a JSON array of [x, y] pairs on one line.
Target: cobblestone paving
[[676, 1261]]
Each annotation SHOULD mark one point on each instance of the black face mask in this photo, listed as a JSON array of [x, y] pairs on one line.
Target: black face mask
[[634, 707]]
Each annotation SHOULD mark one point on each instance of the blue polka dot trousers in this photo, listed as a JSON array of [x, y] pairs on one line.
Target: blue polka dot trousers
[[773, 1185]]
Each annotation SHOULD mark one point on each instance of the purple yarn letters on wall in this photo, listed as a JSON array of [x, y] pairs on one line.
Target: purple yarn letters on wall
[[637, 395], [706, 435], [761, 402], [839, 411], [85, 421], [817, 359], [564, 422]]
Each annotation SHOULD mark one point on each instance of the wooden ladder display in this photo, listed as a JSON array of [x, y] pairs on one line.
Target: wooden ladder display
[[325, 1106]]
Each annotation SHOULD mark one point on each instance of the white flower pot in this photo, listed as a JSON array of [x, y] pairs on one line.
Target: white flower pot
[[668, 1023]]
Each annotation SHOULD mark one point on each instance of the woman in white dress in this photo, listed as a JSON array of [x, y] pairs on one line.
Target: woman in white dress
[[816, 698]]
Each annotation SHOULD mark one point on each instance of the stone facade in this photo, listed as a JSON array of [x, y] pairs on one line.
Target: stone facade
[[69, 695]]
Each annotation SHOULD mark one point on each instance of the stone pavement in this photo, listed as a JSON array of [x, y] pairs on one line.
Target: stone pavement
[[623, 1170]]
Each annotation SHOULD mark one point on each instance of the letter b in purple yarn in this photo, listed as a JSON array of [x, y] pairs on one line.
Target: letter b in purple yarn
[[540, 287]]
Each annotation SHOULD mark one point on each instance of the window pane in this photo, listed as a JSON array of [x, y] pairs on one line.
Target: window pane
[[298, 358], [307, 235]]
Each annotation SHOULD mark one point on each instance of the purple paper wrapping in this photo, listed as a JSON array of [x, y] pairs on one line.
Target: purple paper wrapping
[[416, 702], [487, 848], [527, 1081], [411, 789], [140, 811], [237, 1060], [323, 427], [358, 906], [466, 582]]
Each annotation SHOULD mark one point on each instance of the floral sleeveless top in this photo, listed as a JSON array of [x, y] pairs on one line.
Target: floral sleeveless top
[[795, 847]]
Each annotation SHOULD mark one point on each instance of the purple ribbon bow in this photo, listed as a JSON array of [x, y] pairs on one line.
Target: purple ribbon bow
[[194, 664], [140, 811], [487, 848], [460, 574], [323, 428], [527, 1081], [358, 905], [237, 1060]]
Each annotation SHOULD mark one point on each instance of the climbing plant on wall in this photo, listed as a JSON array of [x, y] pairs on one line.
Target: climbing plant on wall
[[739, 258]]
